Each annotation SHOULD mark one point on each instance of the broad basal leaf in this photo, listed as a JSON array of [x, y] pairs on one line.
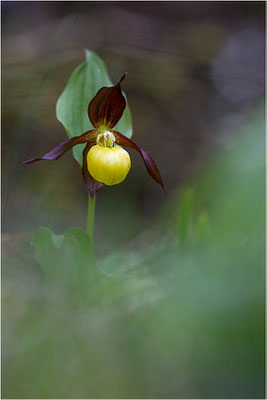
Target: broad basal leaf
[[67, 262]]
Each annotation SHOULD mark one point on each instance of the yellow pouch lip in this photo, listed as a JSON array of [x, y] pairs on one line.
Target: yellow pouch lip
[[108, 165]]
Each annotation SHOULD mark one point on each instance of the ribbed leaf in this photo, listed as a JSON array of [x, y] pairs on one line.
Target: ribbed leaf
[[67, 262]]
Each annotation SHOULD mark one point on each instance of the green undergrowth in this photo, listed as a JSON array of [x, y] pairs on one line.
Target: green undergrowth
[[176, 313]]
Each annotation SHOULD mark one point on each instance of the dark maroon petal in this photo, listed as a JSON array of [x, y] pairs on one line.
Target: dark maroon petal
[[92, 185], [148, 160], [89, 136], [107, 107]]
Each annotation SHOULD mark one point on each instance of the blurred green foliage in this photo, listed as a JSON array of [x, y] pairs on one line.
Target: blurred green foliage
[[178, 315]]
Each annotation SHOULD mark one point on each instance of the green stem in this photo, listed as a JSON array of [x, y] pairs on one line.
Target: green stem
[[91, 217]]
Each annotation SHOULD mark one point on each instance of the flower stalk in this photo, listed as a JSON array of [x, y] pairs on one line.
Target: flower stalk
[[91, 218]]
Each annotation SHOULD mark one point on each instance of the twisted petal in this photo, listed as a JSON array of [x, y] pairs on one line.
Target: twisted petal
[[89, 136], [107, 107], [92, 185], [148, 160]]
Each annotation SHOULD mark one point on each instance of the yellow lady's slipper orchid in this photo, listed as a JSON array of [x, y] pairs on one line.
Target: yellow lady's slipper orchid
[[104, 162]]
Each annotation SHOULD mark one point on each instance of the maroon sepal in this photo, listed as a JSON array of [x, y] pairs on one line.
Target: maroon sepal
[[92, 185], [148, 160], [89, 136], [107, 107]]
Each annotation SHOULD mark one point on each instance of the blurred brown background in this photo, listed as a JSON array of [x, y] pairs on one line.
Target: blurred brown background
[[195, 71]]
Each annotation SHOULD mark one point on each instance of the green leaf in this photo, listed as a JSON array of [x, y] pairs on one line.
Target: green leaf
[[71, 108], [67, 262], [47, 247]]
